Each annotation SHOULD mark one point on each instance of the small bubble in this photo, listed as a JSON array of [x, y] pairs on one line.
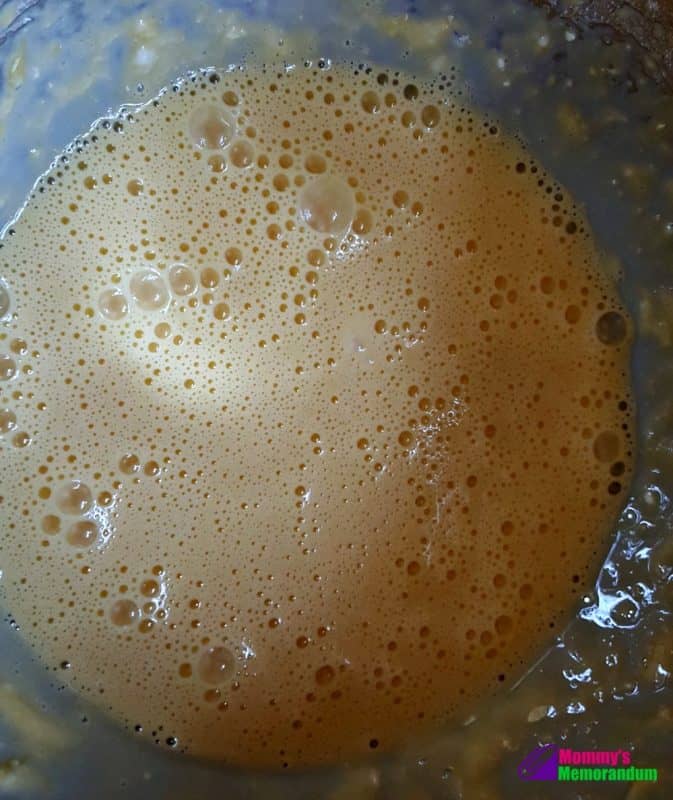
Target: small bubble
[[221, 311], [327, 204], [135, 187], [430, 116], [82, 533], [73, 498], [51, 524], [129, 464], [573, 314], [21, 439], [611, 328], [217, 163], [315, 164], [503, 625], [162, 330], [151, 469], [124, 612], [324, 675], [149, 290], [406, 438], [8, 368], [185, 670], [242, 154], [216, 665], [150, 588], [233, 256], [7, 421], [211, 128], [182, 280], [113, 305], [209, 278], [230, 98], [371, 102], [606, 446], [362, 223]]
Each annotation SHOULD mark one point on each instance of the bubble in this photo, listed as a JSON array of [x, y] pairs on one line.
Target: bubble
[[233, 256], [211, 128], [371, 102], [73, 498], [150, 588], [181, 280], [5, 300], [315, 164], [162, 330], [430, 116], [149, 291], [209, 278], [21, 439], [281, 182], [325, 675], [547, 285], [217, 163], [241, 154], [327, 204], [606, 446], [7, 368], [611, 328], [401, 199], [406, 438], [221, 311], [315, 257], [7, 421], [185, 670], [124, 612], [135, 187], [363, 222], [129, 464], [51, 524], [216, 665], [503, 625], [82, 533], [230, 98], [573, 314], [113, 305]]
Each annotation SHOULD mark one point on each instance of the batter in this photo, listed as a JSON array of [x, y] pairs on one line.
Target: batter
[[315, 412]]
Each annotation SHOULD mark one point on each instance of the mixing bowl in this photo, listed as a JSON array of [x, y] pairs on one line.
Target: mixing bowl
[[589, 101]]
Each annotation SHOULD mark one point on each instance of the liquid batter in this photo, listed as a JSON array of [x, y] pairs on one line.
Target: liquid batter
[[315, 412]]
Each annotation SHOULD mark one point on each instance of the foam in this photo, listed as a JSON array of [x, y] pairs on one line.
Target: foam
[[314, 412]]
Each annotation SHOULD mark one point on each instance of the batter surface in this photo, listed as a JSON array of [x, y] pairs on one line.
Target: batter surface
[[315, 412]]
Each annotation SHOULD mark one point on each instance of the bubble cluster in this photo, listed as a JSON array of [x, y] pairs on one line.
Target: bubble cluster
[[314, 412]]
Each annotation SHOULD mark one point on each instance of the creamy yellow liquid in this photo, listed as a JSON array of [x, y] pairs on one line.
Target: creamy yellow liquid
[[314, 416]]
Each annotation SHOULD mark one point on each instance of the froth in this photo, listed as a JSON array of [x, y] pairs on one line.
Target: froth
[[313, 396]]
